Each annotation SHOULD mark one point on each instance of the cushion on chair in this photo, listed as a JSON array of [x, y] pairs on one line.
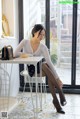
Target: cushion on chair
[[24, 73]]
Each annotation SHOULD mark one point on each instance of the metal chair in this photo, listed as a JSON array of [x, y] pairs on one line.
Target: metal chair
[[31, 80]]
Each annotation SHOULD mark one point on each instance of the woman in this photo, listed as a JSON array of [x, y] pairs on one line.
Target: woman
[[36, 48]]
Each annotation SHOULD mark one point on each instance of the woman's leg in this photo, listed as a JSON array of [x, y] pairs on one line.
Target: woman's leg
[[53, 92], [55, 99], [54, 81]]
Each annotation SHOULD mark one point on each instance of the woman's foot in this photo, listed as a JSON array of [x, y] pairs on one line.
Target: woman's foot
[[61, 111], [58, 107], [63, 103]]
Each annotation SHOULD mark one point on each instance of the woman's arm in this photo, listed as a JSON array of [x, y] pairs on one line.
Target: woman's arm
[[19, 48]]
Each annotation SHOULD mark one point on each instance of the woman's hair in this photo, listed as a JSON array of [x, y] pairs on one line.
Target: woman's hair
[[36, 28]]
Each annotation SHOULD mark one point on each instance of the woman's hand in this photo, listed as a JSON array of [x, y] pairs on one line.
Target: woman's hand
[[24, 55]]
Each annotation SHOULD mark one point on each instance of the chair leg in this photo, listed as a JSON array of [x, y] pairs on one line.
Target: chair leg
[[40, 96], [42, 86], [31, 86], [23, 92], [45, 91]]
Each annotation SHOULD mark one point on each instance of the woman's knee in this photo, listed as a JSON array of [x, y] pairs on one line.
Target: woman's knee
[[44, 65]]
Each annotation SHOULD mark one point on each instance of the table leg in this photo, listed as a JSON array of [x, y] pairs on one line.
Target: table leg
[[36, 91]]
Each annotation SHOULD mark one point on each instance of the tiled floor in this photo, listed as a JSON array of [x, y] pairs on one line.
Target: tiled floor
[[72, 109]]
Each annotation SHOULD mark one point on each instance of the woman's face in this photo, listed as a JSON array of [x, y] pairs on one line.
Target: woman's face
[[40, 35]]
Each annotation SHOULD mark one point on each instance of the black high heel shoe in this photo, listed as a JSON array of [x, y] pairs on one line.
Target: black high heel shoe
[[58, 107], [61, 111], [63, 103]]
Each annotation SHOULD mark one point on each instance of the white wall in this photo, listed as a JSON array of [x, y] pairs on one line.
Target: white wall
[[16, 24], [0, 17], [10, 10]]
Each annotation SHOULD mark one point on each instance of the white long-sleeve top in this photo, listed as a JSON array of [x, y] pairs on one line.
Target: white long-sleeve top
[[42, 50]]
